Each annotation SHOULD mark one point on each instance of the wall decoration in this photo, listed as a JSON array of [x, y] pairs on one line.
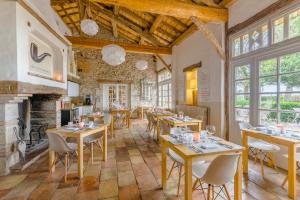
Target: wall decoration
[[40, 57]]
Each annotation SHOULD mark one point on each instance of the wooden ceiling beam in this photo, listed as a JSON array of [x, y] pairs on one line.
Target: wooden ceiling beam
[[114, 23], [70, 19], [173, 8], [156, 23], [168, 67], [80, 42], [127, 24], [226, 3], [184, 35], [209, 35]]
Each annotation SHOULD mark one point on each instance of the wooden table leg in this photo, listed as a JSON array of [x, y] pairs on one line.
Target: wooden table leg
[[142, 111], [51, 161], [199, 126], [164, 166], [158, 129], [245, 153], [112, 123], [80, 157], [128, 119], [188, 185], [292, 172], [104, 145], [238, 181]]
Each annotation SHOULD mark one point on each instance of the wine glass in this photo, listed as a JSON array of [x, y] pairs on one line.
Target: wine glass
[[211, 129]]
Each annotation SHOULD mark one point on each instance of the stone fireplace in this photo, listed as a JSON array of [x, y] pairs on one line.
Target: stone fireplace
[[35, 111]]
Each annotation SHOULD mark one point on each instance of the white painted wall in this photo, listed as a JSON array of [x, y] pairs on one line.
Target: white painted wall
[[44, 9], [73, 89], [194, 49], [241, 10], [14, 47], [23, 31], [8, 43]]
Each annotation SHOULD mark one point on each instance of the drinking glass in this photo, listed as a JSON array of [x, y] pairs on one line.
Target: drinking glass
[[211, 129]]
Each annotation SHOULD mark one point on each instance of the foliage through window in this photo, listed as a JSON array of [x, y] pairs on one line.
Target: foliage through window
[[279, 89], [242, 92]]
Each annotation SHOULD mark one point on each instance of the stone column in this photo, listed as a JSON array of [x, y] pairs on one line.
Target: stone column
[[8, 120]]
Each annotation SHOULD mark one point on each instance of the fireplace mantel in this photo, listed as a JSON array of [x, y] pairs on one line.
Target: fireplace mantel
[[18, 87]]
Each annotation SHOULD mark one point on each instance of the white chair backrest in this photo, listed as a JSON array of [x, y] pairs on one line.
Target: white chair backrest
[[221, 170], [246, 125], [107, 118], [57, 143]]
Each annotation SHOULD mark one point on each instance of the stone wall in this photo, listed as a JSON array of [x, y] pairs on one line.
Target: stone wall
[[97, 69]]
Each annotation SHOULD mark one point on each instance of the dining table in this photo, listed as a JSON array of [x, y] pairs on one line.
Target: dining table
[[192, 152], [183, 122], [121, 111], [292, 142], [142, 110], [79, 134], [159, 115]]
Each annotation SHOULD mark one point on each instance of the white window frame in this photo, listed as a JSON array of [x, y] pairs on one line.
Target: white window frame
[[282, 48], [162, 83]]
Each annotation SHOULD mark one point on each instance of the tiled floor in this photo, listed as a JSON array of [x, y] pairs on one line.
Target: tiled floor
[[131, 172]]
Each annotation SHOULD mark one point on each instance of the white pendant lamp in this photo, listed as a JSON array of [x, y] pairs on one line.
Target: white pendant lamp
[[141, 64], [113, 54], [87, 25]]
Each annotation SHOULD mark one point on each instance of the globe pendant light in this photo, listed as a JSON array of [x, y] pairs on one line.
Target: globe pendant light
[[113, 54], [89, 26], [141, 64]]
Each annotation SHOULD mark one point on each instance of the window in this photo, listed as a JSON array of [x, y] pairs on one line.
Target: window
[[282, 28], [242, 92], [294, 24], [164, 89], [146, 90], [279, 89]]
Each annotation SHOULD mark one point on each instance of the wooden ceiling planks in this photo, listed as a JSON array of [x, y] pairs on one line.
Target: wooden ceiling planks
[[140, 24]]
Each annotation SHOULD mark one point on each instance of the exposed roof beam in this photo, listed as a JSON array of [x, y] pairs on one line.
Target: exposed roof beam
[[156, 23], [184, 35], [227, 3], [70, 19], [128, 24], [209, 35], [207, 2], [168, 67], [174, 8], [98, 44], [114, 23]]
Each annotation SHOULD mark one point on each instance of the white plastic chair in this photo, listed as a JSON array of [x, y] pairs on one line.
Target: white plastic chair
[[61, 148], [216, 174], [96, 138], [260, 149]]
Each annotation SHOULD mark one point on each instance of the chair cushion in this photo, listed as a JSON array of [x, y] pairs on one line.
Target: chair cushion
[[175, 156], [199, 168], [264, 146], [297, 156]]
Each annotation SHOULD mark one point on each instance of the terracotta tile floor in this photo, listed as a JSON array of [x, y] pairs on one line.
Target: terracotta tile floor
[[131, 172]]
